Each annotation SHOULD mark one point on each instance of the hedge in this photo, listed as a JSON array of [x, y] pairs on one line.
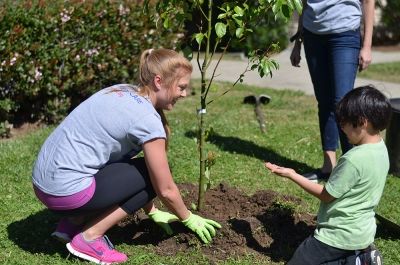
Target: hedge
[[54, 54]]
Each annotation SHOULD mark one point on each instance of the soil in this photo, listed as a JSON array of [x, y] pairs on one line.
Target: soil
[[22, 129], [264, 225]]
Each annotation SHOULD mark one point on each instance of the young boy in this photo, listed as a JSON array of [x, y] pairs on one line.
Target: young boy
[[345, 224]]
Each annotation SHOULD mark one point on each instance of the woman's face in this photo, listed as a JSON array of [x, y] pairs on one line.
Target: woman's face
[[167, 97]]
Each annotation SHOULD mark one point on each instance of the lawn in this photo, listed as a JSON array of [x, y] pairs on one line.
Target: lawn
[[388, 72], [292, 139]]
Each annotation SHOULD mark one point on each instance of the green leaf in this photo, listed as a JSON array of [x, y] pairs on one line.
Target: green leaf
[[286, 11], [221, 16], [239, 10], [290, 4], [298, 5], [166, 23], [260, 71], [275, 46], [275, 64], [193, 206], [238, 21], [207, 173], [220, 29], [231, 26], [199, 38], [187, 52], [276, 8], [239, 32], [266, 69]]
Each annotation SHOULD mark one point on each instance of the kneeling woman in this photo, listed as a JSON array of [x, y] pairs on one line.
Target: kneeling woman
[[85, 168]]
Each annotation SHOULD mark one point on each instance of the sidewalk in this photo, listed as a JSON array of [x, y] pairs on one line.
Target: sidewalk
[[295, 78]]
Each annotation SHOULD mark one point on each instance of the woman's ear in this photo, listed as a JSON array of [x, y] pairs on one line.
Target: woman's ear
[[157, 82]]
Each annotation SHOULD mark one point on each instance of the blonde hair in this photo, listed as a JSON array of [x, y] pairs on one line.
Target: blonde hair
[[169, 65]]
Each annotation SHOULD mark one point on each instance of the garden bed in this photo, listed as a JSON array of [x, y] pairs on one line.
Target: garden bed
[[263, 224]]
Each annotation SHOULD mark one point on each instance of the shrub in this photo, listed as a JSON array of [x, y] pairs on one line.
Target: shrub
[[388, 31], [265, 32], [54, 54]]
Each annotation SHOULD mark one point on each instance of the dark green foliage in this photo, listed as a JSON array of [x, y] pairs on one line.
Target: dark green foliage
[[265, 32], [54, 54], [388, 32]]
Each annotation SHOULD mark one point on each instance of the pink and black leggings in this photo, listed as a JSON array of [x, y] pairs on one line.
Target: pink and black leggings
[[126, 184]]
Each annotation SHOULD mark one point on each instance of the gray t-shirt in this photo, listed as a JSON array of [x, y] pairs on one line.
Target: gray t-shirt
[[332, 16], [109, 126]]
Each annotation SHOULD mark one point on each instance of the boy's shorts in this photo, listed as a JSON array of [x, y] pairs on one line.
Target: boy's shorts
[[314, 252]]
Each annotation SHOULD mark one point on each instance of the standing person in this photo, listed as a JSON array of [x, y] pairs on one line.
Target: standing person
[[86, 170], [334, 50], [346, 219]]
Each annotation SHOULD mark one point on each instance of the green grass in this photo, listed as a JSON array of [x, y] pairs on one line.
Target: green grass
[[292, 139], [388, 72]]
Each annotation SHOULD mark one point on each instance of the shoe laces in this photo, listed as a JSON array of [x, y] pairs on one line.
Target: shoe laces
[[108, 242]]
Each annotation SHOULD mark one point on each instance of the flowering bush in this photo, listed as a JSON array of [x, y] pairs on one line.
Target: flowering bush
[[54, 54]]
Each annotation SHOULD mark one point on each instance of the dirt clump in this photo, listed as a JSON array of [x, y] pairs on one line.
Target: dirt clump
[[263, 224]]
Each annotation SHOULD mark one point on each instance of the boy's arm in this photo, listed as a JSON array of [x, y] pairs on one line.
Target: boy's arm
[[315, 189]]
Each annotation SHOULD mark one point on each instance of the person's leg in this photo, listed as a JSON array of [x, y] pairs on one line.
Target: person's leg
[[317, 58], [67, 228], [329, 161], [126, 184], [344, 52], [121, 189], [313, 252], [127, 188]]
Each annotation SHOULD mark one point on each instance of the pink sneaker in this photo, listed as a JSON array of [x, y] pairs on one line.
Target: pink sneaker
[[100, 250], [65, 231]]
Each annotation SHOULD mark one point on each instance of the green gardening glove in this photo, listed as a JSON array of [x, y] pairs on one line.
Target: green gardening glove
[[203, 227], [163, 219]]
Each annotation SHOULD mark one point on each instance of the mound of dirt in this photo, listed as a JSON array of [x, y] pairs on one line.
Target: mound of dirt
[[262, 224]]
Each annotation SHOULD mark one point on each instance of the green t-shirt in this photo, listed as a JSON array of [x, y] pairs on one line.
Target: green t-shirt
[[357, 183]]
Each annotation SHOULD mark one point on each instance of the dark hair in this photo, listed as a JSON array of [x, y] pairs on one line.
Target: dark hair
[[362, 104]]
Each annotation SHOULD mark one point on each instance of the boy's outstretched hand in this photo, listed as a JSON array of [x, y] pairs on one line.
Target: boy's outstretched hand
[[281, 171]]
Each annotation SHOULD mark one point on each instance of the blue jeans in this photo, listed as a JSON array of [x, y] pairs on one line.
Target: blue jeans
[[332, 62]]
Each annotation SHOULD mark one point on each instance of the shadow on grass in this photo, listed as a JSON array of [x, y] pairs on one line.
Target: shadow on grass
[[32, 234], [286, 234], [248, 148], [280, 226], [142, 233], [386, 229]]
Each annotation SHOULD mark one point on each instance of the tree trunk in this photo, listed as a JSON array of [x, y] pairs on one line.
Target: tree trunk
[[202, 150]]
